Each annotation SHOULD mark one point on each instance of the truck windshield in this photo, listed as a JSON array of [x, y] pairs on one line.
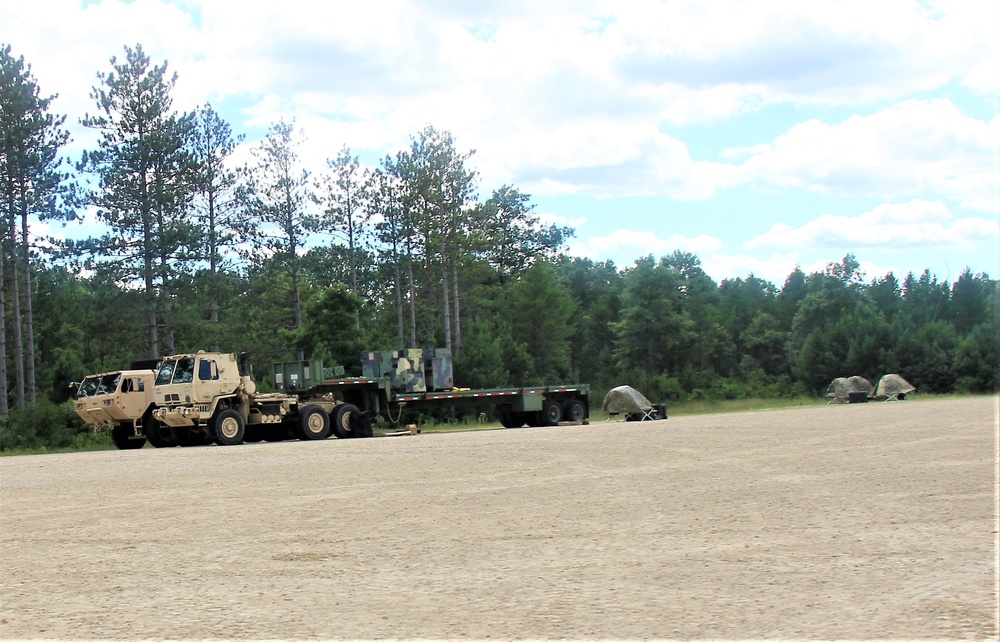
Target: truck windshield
[[88, 387], [109, 383], [184, 373], [176, 371], [165, 373]]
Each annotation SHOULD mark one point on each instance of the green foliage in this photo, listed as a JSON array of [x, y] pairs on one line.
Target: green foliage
[[481, 361], [45, 425], [205, 255], [540, 313], [977, 360], [330, 330]]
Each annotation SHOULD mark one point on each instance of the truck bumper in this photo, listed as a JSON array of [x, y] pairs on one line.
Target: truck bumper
[[177, 417]]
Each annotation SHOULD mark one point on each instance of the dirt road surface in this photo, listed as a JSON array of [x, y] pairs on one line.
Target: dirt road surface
[[863, 521]]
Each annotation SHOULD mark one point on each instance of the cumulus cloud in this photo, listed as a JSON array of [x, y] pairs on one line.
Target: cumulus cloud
[[567, 96], [889, 227], [623, 246], [906, 149], [587, 97]]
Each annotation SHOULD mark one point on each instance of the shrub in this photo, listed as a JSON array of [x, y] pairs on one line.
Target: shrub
[[45, 425]]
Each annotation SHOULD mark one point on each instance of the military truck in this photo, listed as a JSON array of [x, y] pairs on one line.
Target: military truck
[[208, 397], [121, 401]]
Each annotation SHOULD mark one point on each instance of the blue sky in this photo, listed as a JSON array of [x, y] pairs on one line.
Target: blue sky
[[759, 136]]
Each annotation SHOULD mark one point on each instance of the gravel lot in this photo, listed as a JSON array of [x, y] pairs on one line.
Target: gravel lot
[[863, 521]]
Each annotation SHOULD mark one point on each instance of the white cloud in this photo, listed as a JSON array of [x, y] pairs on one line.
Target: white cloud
[[910, 148], [888, 227], [568, 96], [774, 268], [624, 246]]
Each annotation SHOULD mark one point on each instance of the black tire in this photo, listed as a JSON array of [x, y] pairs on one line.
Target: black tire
[[349, 422], [511, 419], [551, 412], [187, 437], [342, 419], [157, 434], [120, 436], [228, 427], [253, 434], [313, 423], [534, 419], [276, 432], [574, 410]]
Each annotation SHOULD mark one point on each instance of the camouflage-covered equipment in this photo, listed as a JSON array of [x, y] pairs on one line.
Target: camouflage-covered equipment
[[892, 387], [632, 403], [848, 389], [412, 370]]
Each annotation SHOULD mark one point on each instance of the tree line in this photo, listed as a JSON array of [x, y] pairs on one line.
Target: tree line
[[268, 257]]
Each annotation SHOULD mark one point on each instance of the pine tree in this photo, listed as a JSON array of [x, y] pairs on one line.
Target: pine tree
[[33, 185], [144, 170]]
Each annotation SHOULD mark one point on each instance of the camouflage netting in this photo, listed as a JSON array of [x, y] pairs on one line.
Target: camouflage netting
[[892, 386], [841, 387], [625, 399]]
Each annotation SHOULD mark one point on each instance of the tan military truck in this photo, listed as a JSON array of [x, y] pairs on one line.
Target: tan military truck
[[121, 402], [210, 396]]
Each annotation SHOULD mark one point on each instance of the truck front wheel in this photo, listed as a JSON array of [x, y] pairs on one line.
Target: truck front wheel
[[314, 423], [228, 427], [121, 436], [157, 434]]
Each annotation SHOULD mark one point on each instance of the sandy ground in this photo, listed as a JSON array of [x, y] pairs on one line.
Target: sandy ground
[[864, 521]]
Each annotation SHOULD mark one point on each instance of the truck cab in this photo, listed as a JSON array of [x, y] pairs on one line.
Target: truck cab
[[195, 379], [119, 401]]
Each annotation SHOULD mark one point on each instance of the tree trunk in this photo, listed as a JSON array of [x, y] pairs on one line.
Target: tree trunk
[[165, 295], [29, 325], [154, 341], [399, 295], [447, 297], [4, 407], [413, 296], [16, 319], [297, 309], [213, 279], [457, 346]]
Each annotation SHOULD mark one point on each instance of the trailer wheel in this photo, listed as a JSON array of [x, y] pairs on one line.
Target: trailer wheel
[[511, 419], [552, 412], [534, 419], [228, 427], [121, 434], [574, 410], [314, 423]]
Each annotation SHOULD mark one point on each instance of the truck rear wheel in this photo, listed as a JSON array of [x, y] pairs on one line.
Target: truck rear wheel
[[121, 434], [314, 423], [228, 427], [574, 410], [350, 422]]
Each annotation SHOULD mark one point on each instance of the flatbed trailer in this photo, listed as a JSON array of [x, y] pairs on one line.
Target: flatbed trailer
[[515, 407]]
